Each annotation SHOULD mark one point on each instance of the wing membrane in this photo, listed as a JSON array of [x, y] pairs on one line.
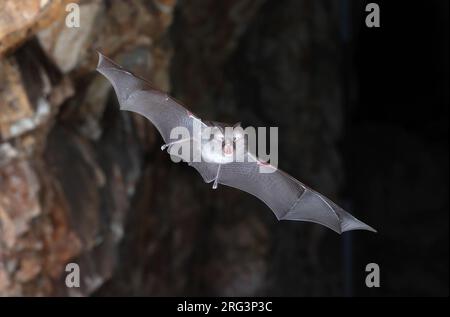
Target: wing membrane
[[288, 198], [137, 95]]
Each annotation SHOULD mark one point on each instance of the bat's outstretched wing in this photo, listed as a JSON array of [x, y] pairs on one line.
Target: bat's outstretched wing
[[288, 198], [138, 95]]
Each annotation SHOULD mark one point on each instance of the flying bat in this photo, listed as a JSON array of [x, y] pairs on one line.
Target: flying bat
[[288, 198]]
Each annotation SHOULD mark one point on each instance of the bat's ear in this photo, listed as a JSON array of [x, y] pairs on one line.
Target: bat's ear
[[238, 125]]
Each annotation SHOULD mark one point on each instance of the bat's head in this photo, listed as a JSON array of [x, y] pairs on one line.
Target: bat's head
[[224, 139], [228, 136]]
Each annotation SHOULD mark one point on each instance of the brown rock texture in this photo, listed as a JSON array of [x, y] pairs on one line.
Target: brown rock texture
[[64, 198], [19, 20]]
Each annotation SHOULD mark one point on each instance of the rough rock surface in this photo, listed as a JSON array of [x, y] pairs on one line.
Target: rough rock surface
[[66, 185], [19, 20]]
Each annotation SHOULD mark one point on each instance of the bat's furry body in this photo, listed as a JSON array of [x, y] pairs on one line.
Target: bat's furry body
[[288, 198]]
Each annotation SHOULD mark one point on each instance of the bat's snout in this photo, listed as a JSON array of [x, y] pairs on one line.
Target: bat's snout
[[227, 149]]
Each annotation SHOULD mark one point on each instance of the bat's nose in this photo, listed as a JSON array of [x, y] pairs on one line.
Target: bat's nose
[[227, 148]]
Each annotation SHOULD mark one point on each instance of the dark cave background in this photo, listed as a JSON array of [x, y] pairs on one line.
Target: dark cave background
[[362, 116]]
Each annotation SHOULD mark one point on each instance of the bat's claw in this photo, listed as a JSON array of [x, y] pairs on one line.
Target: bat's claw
[[165, 146]]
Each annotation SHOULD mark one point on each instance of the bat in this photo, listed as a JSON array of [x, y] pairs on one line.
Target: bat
[[288, 198]]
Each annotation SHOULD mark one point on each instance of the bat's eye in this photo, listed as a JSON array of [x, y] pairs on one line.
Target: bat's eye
[[237, 136], [217, 134]]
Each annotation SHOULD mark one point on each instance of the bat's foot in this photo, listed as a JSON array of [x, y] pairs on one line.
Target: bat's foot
[[164, 146], [216, 180]]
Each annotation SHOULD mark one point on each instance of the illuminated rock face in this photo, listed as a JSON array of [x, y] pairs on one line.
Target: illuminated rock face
[[62, 198]]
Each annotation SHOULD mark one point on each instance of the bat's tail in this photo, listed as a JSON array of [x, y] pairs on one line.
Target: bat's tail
[[313, 207]]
